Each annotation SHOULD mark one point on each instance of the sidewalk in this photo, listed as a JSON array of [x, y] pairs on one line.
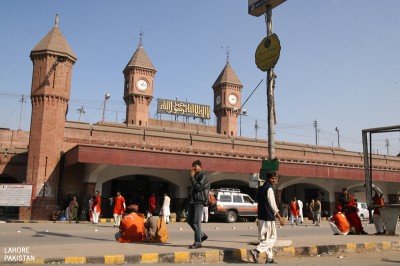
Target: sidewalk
[[299, 241]]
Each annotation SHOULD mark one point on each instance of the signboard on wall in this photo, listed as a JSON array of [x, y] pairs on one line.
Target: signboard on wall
[[183, 108], [15, 195]]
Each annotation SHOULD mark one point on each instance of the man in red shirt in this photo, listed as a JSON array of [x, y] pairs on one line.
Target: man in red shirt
[[294, 212], [96, 207], [119, 208], [339, 223], [152, 204]]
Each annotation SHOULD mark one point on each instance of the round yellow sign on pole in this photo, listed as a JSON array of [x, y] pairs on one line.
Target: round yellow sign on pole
[[267, 53]]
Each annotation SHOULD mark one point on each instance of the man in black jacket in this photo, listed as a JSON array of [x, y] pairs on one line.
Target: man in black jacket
[[197, 199]]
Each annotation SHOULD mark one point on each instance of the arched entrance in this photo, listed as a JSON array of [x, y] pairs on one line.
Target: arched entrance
[[136, 189], [305, 192]]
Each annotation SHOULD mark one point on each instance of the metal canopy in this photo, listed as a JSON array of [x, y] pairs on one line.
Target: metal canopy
[[367, 139]]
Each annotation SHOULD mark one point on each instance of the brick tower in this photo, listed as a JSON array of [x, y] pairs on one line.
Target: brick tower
[[138, 87], [227, 100], [53, 60]]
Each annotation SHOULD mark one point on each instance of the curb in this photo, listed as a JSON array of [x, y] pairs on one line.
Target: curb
[[215, 256]]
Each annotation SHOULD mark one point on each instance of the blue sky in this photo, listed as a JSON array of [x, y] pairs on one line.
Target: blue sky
[[339, 62]]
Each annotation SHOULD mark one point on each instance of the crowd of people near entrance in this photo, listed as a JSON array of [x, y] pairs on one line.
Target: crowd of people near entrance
[[344, 220], [142, 221]]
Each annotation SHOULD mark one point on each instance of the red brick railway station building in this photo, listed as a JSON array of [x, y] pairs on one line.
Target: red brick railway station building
[[144, 155]]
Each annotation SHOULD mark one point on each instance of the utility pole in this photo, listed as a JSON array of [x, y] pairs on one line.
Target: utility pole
[[338, 139], [22, 101], [316, 131], [256, 128], [387, 146], [106, 98], [266, 57], [270, 95]]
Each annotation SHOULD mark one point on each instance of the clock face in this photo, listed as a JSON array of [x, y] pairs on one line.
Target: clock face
[[218, 100], [232, 99], [141, 84]]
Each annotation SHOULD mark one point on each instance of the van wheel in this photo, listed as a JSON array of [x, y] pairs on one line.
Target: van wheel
[[361, 217], [231, 217]]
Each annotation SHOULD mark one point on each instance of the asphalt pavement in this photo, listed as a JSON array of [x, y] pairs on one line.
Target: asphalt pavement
[[44, 242]]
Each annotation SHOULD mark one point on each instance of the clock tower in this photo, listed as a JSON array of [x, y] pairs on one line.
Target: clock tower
[[138, 87], [227, 100]]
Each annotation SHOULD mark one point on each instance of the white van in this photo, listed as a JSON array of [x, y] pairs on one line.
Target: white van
[[362, 210]]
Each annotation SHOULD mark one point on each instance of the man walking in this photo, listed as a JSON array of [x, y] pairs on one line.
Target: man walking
[[267, 212], [96, 207], [317, 212], [119, 208], [294, 212], [165, 210], [197, 200], [300, 204]]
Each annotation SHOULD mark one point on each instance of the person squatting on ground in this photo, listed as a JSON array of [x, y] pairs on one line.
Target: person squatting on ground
[[156, 230], [376, 217], [131, 228], [347, 205], [339, 223], [96, 207], [294, 211], [197, 200], [267, 212], [73, 210], [119, 208]]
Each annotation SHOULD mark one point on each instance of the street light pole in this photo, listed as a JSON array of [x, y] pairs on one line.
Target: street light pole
[[242, 111], [20, 114], [338, 140], [106, 97], [270, 94]]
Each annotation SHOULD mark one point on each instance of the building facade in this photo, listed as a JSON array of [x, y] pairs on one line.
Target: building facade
[[143, 155]]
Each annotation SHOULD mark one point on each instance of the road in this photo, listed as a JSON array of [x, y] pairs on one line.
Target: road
[[381, 258], [52, 240]]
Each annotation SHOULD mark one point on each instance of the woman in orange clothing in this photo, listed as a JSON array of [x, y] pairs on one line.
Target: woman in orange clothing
[[294, 211], [131, 228]]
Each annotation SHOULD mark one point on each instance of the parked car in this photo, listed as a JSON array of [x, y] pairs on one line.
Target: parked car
[[362, 210], [232, 204]]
